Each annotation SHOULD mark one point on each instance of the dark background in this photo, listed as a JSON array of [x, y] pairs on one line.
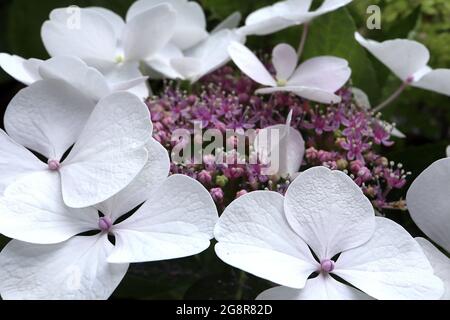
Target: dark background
[[423, 116]]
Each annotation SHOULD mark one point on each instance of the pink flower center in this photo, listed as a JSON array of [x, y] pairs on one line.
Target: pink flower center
[[327, 266], [105, 224], [53, 165]]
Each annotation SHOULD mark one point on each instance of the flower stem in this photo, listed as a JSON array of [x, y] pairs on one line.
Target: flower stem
[[393, 97], [301, 46]]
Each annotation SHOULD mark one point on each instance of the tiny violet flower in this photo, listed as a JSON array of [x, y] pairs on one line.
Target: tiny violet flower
[[381, 136], [285, 14], [217, 194], [324, 211], [428, 203], [316, 79], [176, 219], [108, 139], [73, 71], [106, 42], [283, 146], [408, 60]]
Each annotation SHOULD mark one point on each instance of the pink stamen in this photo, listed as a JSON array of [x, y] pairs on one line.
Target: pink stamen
[[53, 165], [105, 224], [327, 266]]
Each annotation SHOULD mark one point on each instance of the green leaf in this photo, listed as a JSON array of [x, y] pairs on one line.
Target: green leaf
[[402, 27], [3, 241], [333, 34]]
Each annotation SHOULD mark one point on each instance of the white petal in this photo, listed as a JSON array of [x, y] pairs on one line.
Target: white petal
[[274, 18], [15, 161], [143, 186], [402, 57], [284, 59], [250, 64], [128, 77], [447, 151], [319, 288], [132, 85], [22, 70], [113, 18], [326, 73], [329, 211], [440, 263], [212, 53], [287, 151], [73, 270], [176, 221], [122, 74], [328, 6], [160, 63], [47, 117], [75, 72], [390, 266], [230, 22], [254, 236], [91, 37], [187, 67], [190, 25], [361, 98], [158, 23], [33, 210], [428, 202], [142, 91], [268, 26], [437, 80], [313, 94], [109, 153]]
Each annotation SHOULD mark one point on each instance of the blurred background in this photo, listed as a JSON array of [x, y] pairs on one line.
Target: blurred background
[[422, 116]]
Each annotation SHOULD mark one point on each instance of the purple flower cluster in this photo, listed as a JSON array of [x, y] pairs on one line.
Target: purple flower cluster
[[342, 136]]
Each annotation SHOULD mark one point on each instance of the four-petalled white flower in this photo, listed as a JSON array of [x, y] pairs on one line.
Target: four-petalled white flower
[[408, 60], [104, 41], [428, 201], [268, 235], [53, 256], [108, 139], [316, 79]]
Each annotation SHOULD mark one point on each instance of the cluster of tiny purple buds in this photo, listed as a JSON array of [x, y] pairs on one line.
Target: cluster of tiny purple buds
[[341, 136]]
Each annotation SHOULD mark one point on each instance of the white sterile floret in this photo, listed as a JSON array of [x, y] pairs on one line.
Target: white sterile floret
[[272, 236], [108, 140], [105, 41], [408, 60], [56, 262], [316, 79]]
